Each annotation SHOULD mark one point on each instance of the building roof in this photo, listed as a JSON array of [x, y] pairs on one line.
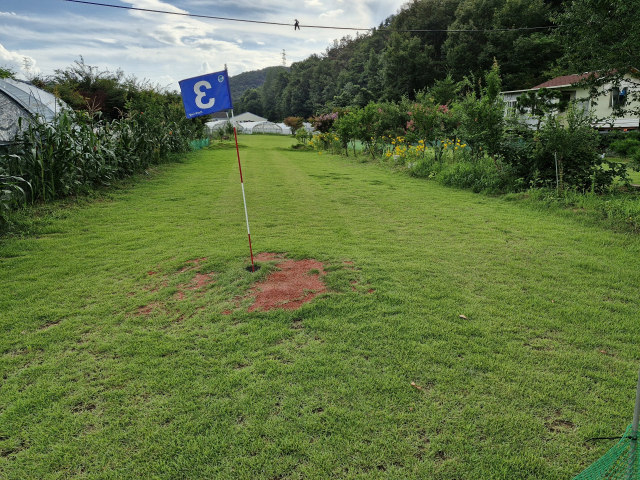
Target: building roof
[[23, 100], [31, 98], [563, 81], [248, 117]]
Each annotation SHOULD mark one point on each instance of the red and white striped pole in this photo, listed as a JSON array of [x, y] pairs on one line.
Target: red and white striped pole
[[244, 199]]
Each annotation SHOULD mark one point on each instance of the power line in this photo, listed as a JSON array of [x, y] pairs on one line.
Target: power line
[[208, 16], [308, 26]]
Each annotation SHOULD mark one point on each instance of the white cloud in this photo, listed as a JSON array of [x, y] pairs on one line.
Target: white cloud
[[166, 48], [332, 13], [166, 80], [155, 5], [238, 40], [16, 61], [205, 68], [169, 29]]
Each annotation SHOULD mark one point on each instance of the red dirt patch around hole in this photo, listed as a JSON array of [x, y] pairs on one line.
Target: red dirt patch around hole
[[267, 257], [289, 288]]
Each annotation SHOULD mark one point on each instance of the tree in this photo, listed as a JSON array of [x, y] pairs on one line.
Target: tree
[[251, 101], [541, 103], [523, 55], [482, 118], [295, 123], [445, 91], [7, 72], [406, 67]]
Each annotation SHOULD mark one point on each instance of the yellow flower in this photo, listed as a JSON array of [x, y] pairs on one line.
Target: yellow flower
[[319, 153], [456, 148]]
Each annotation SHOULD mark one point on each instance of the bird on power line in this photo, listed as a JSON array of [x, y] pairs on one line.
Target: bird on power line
[[296, 26]]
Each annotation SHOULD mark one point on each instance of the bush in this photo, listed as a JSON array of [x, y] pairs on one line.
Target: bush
[[532, 155], [295, 123], [626, 147], [302, 136], [480, 175]]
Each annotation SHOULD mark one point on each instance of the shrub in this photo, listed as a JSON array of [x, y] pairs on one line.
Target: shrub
[[626, 147], [302, 136], [295, 123], [574, 145], [482, 118]]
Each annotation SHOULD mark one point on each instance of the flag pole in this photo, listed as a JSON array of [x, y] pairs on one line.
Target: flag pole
[[634, 434], [244, 199]]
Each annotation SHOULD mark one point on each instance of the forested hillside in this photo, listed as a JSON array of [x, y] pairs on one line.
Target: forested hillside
[[385, 66], [247, 80]]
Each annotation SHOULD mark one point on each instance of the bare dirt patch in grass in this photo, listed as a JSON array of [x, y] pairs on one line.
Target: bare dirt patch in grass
[[296, 283], [191, 264], [196, 284], [147, 309]]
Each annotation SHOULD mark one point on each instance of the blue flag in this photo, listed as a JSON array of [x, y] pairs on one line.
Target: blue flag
[[206, 94]]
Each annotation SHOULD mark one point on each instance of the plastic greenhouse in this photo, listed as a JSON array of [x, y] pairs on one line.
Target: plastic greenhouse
[[23, 100], [286, 130], [259, 127], [216, 125]]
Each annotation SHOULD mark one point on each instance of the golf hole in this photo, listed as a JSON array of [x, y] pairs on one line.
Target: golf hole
[[255, 268]]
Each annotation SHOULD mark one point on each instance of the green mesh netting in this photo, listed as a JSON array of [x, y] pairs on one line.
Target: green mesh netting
[[198, 144], [616, 463]]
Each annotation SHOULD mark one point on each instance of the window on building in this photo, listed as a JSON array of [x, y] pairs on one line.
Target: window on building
[[567, 97], [618, 97]]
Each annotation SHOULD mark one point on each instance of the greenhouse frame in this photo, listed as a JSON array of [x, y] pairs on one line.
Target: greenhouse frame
[[22, 100]]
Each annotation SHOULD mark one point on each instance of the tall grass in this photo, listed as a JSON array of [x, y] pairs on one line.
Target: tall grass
[[78, 152]]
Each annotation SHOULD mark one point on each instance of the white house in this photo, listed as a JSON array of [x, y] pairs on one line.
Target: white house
[[601, 107]]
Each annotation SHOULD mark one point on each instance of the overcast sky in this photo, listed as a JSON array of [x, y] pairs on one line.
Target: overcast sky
[[167, 48]]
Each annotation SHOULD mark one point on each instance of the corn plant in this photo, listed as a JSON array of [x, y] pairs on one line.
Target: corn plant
[[11, 193], [79, 151]]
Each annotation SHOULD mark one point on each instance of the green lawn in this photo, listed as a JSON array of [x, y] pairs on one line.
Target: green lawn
[[546, 358]]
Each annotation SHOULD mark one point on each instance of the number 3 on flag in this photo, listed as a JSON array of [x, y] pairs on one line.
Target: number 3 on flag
[[206, 94], [200, 94]]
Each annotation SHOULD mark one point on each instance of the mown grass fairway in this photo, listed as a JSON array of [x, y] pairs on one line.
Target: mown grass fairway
[[92, 388]]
